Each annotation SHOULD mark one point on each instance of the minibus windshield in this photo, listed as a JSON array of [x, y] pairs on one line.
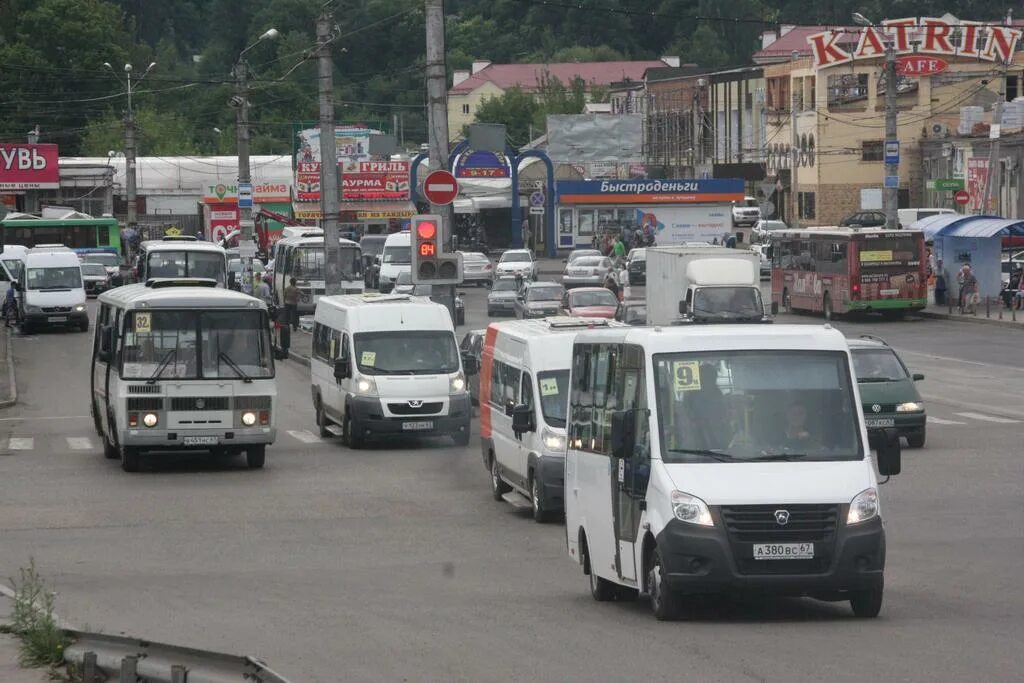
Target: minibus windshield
[[109, 260], [184, 263], [742, 406], [55, 278], [553, 396], [308, 263], [14, 267], [406, 353], [398, 256], [218, 344]]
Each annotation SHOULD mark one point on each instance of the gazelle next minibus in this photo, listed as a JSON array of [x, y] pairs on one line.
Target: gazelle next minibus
[[182, 365], [719, 459]]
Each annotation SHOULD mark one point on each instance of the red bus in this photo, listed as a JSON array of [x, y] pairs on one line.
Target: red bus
[[842, 270]]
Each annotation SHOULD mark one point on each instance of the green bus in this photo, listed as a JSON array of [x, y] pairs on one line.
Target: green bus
[[78, 232]]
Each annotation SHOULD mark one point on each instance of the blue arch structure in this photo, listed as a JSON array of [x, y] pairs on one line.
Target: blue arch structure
[[549, 201]]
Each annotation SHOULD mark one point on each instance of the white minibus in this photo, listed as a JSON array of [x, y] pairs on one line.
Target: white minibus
[[182, 365], [387, 365], [723, 459], [394, 260], [50, 289], [524, 389], [302, 257]]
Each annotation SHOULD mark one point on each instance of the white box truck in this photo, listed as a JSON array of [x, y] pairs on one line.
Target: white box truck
[[702, 284]]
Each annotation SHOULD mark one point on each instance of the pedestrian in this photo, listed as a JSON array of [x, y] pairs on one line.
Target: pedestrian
[[10, 307], [730, 242], [618, 250], [611, 282], [940, 284], [526, 233], [263, 292], [624, 287], [968, 289], [291, 303]]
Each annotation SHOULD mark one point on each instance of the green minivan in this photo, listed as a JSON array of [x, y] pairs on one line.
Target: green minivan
[[888, 394]]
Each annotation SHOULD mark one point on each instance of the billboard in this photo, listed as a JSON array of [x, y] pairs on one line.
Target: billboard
[[29, 167]]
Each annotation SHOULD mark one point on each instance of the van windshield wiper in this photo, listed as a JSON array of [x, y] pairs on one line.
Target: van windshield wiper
[[234, 366], [707, 452], [874, 380], [164, 362], [767, 457]]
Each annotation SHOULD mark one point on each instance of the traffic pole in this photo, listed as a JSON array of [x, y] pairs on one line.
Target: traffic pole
[[329, 186], [890, 195]]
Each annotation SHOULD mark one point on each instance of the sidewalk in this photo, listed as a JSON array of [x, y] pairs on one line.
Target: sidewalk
[[994, 314], [8, 386]]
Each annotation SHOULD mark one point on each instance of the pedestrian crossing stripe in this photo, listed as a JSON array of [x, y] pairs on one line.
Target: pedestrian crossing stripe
[[79, 443], [939, 421], [304, 435], [989, 418], [21, 443]]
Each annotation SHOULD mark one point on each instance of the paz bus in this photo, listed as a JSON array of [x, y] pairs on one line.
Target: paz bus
[[842, 270]]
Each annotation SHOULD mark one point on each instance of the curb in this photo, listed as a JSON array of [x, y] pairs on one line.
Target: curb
[[969, 319], [298, 357], [12, 380]]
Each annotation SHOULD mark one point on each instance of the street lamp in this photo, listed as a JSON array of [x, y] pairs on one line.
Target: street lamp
[[890, 181], [129, 139], [241, 103]]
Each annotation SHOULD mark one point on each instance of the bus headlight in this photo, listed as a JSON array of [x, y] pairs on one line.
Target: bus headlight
[[150, 419], [863, 507], [553, 441], [249, 419], [457, 383], [691, 509], [910, 407]]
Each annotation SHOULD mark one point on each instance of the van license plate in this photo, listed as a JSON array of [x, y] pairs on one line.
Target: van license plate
[[57, 319], [417, 426], [783, 551], [200, 441], [880, 422]]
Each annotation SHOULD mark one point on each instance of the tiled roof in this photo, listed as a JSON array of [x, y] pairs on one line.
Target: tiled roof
[[526, 76], [796, 39]]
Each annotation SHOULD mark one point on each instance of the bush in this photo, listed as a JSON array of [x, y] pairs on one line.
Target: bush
[[33, 620]]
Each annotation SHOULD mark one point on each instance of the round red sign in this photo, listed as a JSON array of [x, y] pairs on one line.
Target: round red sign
[[440, 188], [962, 197]]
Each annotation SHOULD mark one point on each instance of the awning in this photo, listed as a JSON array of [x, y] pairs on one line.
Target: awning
[[476, 204], [357, 211], [955, 225]]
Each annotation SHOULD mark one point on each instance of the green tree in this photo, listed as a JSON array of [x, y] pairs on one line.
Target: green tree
[[704, 47], [159, 134], [517, 110]]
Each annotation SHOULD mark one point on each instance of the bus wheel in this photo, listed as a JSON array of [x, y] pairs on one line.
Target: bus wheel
[[255, 456], [130, 459], [110, 451], [787, 301], [826, 306], [664, 601], [498, 487], [321, 419], [602, 590]]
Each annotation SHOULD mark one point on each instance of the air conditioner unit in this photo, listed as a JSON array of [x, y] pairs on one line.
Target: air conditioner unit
[[938, 130]]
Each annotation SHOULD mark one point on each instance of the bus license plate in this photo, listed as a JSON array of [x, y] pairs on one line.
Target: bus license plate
[[783, 551], [417, 426], [200, 441], [874, 422], [57, 319]]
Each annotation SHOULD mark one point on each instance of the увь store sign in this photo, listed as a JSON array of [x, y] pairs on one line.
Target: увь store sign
[[927, 35]]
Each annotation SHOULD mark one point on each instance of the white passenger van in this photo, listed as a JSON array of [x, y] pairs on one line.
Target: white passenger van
[[182, 365], [394, 260], [723, 458], [387, 365], [50, 289], [302, 257], [12, 259], [176, 257], [524, 390]]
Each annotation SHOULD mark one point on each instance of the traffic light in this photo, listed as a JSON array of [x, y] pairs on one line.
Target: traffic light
[[431, 264]]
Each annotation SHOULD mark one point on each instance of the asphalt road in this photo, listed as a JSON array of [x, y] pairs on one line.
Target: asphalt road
[[395, 564]]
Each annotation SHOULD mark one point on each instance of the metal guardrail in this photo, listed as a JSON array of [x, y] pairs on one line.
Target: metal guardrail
[[103, 658]]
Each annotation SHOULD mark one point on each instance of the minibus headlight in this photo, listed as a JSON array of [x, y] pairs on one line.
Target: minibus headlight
[[457, 383], [553, 441], [79, 308], [150, 419], [863, 507], [365, 385], [691, 509], [910, 407], [249, 419]]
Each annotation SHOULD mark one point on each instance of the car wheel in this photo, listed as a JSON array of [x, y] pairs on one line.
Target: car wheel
[[601, 590], [916, 440], [866, 604], [83, 326], [664, 601], [461, 439], [498, 487], [540, 515], [350, 433], [130, 458], [256, 456]]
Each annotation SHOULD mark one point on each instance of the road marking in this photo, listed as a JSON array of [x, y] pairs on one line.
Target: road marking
[[49, 417], [989, 418], [939, 421], [79, 443], [948, 359], [21, 444], [303, 435]]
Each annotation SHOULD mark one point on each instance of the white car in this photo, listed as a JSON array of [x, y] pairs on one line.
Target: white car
[[746, 212], [516, 261], [476, 268]]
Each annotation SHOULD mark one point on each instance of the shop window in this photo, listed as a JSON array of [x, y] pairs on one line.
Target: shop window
[[586, 221], [872, 150]]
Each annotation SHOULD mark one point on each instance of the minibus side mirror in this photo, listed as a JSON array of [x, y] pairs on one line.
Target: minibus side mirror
[[522, 419], [918, 376], [341, 368], [510, 406], [886, 443], [470, 365], [623, 433], [106, 343]]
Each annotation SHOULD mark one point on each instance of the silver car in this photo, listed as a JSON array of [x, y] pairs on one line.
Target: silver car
[[588, 271], [540, 300], [502, 297], [477, 269]]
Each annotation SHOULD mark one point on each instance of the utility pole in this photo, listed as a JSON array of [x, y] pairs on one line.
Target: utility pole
[[32, 196], [129, 143], [993, 179], [890, 195], [794, 161], [245, 222], [329, 185], [437, 119]]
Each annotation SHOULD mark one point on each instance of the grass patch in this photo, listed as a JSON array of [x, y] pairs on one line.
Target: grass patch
[[42, 642]]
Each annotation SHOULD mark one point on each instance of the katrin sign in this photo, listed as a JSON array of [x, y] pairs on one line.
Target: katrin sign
[[927, 35]]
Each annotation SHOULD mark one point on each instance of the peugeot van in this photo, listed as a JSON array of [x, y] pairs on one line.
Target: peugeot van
[[51, 291], [396, 258]]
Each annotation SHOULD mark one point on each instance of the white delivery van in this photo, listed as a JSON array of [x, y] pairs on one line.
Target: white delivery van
[[396, 258], [387, 365], [12, 259], [50, 289], [703, 284], [907, 217], [723, 458], [524, 384]]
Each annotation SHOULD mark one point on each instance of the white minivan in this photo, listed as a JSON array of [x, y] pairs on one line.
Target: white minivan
[[50, 289], [387, 365], [396, 258], [722, 459], [524, 382]]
